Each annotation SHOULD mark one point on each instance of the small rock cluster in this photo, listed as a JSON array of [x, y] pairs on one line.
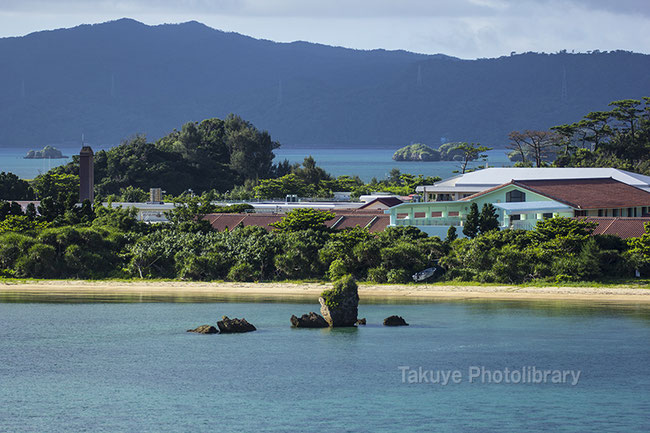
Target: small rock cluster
[[339, 308]]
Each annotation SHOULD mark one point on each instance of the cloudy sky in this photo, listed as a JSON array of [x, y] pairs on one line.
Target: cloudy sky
[[463, 28]]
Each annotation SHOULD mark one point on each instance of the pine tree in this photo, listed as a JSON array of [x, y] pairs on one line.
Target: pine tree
[[451, 235], [488, 220], [470, 229]]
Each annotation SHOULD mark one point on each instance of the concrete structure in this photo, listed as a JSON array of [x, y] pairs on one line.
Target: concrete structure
[[155, 195], [520, 204], [155, 212], [86, 174], [462, 186], [374, 222]]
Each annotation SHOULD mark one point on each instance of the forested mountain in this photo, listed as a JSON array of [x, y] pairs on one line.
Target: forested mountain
[[112, 80]]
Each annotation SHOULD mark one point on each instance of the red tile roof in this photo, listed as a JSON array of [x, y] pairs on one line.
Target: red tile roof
[[603, 193], [621, 227], [589, 193]]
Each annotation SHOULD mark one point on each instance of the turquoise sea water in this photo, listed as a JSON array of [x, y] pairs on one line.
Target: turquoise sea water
[[364, 162], [131, 367]]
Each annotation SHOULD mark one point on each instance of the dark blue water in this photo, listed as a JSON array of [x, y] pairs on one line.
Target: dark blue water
[[131, 367]]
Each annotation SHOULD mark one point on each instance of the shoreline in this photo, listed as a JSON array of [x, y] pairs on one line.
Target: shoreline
[[62, 290]]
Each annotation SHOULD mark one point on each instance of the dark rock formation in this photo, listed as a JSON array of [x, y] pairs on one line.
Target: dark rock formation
[[311, 320], [232, 326], [361, 321], [339, 305], [395, 321], [204, 329]]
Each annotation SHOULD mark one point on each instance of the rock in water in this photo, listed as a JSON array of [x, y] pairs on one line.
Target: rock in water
[[395, 321], [232, 326], [311, 320], [204, 329], [339, 305], [361, 321]]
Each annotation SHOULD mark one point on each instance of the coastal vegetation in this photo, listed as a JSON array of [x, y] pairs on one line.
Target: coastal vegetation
[[111, 243], [618, 138], [64, 239]]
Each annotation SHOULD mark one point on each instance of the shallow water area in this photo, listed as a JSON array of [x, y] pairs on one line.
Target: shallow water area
[[129, 365]]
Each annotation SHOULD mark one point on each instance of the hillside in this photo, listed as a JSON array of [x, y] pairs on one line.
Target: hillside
[[112, 80]]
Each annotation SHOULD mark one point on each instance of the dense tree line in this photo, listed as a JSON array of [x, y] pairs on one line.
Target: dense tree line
[[214, 154], [109, 242], [618, 138]]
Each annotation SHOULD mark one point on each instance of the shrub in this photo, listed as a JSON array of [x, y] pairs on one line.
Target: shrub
[[243, 271], [377, 275], [337, 269], [344, 287], [398, 276]]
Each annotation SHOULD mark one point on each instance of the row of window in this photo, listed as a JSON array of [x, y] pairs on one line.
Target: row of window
[[628, 212]]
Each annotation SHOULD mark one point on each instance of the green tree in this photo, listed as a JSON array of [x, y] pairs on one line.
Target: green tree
[[471, 226], [471, 152], [538, 145], [14, 188], [639, 251], [303, 219], [133, 195], [451, 235], [488, 219]]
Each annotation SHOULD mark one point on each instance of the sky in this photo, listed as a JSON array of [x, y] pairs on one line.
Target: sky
[[462, 28]]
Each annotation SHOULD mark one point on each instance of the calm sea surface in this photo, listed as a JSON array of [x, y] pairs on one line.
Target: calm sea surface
[[364, 162], [132, 367]]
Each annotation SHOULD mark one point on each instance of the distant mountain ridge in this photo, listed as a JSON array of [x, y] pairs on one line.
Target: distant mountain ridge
[[112, 80]]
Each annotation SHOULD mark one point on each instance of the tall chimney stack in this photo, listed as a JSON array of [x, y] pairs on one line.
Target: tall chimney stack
[[86, 174]]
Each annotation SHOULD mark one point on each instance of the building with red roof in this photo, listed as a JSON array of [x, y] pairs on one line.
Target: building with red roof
[[521, 203]]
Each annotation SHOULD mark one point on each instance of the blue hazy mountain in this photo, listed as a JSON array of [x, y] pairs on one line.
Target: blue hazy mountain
[[112, 80]]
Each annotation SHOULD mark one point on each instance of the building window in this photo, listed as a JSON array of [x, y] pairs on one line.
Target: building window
[[515, 196], [614, 212], [401, 216], [436, 214], [644, 211], [453, 214], [515, 217], [419, 215], [547, 215], [579, 213], [600, 212], [443, 197]]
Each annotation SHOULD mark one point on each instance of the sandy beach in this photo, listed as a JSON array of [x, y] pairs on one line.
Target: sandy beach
[[286, 291]]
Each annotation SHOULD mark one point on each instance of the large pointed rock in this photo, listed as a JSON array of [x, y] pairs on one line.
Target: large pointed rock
[[339, 305]]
